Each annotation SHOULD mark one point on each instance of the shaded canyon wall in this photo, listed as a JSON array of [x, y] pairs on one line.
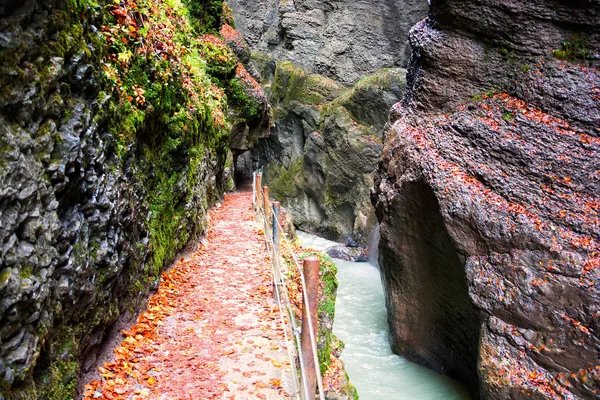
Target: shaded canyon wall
[[344, 40], [488, 197]]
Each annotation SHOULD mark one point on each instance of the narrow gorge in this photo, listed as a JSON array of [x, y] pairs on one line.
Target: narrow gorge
[[331, 70], [465, 133]]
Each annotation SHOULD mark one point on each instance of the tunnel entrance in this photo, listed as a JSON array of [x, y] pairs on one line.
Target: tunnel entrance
[[244, 166]]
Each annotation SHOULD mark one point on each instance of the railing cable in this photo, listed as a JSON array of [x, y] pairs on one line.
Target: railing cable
[[258, 194]]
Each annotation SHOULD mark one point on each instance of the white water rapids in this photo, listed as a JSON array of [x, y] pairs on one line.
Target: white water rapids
[[361, 323]]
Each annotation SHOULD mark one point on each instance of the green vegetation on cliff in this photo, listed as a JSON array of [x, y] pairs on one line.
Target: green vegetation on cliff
[[160, 85], [293, 84], [576, 49]]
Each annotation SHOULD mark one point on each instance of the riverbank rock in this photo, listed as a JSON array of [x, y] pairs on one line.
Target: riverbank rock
[[353, 254], [339, 39], [488, 197]]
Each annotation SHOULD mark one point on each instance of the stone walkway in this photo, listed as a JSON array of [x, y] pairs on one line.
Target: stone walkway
[[212, 331]]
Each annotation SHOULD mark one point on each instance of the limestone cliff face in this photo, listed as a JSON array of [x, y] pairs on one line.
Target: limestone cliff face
[[109, 159], [330, 70], [340, 39], [488, 197]]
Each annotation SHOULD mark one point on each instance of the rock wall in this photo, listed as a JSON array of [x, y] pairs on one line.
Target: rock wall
[[488, 198], [330, 71], [109, 159], [324, 146], [339, 39]]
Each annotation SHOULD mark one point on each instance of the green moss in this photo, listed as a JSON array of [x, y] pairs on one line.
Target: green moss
[[55, 374], [60, 380], [507, 54], [4, 148], [350, 389], [95, 247], [167, 236], [220, 60], [331, 198], [293, 84], [26, 271], [329, 285], [206, 14], [4, 275], [282, 181], [136, 287], [263, 63], [575, 50], [230, 185], [508, 116], [247, 107], [381, 79]]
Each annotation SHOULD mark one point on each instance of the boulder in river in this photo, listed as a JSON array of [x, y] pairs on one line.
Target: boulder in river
[[353, 254]]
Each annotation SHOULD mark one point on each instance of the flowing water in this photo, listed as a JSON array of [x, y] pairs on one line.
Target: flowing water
[[361, 323]]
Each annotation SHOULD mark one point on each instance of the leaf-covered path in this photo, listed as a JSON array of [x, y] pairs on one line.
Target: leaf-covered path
[[212, 330]]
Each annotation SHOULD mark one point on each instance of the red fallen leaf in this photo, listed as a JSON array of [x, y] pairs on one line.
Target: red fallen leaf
[[108, 395], [119, 11]]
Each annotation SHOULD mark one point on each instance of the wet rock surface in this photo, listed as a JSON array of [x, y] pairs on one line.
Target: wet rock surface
[[488, 200], [340, 39], [75, 217], [352, 254]]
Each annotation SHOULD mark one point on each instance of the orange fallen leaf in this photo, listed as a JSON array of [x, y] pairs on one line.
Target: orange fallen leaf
[[275, 382]]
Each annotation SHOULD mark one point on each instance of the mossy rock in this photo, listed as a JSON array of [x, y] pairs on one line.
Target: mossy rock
[[576, 49], [168, 120], [221, 62], [246, 96], [370, 100], [265, 65], [293, 84], [284, 182]]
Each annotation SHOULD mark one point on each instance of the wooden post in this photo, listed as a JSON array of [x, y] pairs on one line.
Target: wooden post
[[267, 207], [311, 277], [258, 195], [276, 251], [254, 190], [266, 214]]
